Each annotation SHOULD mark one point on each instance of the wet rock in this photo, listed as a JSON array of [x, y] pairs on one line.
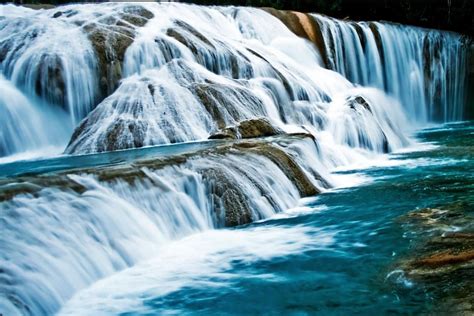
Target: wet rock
[[216, 57], [228, 201], [136, 15], [361, 107], [151, 111], [259, 127], [354, 101], [122, 134], [437, 220], [39, 6], [51, 85], [252, 128], [285, 162], [443, 256], [303, 25], [110, 37], [182, 34], [226, 133], [226, 104], [378, 40], [57, 14], [469, 112], [448, 232], [449, 260]]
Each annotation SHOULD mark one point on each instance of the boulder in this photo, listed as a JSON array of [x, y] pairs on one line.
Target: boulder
[[252, 128], [358, 100]]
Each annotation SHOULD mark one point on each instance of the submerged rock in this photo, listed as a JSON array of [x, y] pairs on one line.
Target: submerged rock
[[443, 257]]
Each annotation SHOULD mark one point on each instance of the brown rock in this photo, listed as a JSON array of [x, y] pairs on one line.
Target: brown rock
[[252, 128]]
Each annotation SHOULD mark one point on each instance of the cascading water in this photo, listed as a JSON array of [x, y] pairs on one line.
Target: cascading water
[[48, 58], [426, 70], [251, 46], [60, 241], [128, 76], [24, 122]]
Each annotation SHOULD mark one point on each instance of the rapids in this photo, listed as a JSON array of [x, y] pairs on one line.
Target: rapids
[[113, 104], [169, 77]]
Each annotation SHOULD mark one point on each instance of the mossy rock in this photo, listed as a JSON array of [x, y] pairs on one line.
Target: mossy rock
[[229, 202], [252, 128], [289, 166]]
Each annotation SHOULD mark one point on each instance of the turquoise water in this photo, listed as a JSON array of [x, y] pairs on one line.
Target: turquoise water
[[68, 162], [350, 276], [342, 254]]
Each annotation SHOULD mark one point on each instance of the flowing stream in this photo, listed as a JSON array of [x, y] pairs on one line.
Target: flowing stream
[[113, 199], [341, 253]]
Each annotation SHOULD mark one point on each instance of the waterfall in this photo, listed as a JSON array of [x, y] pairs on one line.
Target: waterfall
[[70, 58], [116, 77], [426, 70], [183, 82], [50, 59], [59, 240], [24, 122]]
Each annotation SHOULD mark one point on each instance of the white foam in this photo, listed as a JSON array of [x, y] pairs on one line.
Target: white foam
[[198, 261]]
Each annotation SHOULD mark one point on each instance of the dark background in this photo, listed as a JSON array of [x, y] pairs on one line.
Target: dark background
[[454, 15]]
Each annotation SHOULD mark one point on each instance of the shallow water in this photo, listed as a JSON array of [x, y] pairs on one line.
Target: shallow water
[[339, 253]]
